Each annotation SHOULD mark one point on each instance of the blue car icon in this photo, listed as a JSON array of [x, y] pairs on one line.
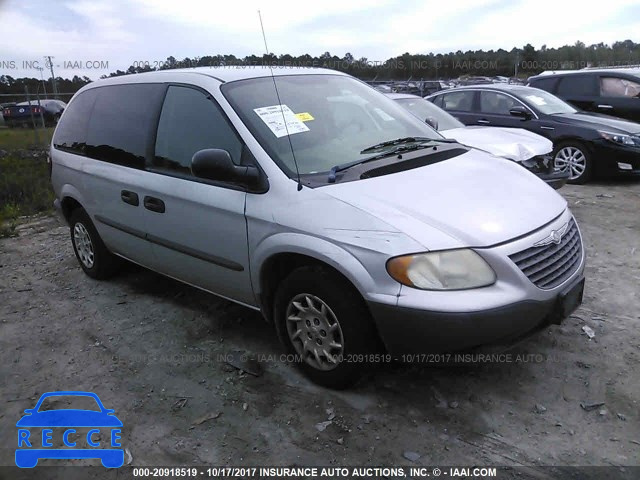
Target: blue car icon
[[32, 448]]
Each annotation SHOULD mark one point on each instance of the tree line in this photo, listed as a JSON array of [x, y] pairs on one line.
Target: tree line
[[522, 62]]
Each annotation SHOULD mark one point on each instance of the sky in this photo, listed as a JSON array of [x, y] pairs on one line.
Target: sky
[[96, 37]]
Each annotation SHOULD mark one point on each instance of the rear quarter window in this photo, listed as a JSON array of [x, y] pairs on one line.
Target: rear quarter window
[[71, 133], [437, 100], [123, 123]]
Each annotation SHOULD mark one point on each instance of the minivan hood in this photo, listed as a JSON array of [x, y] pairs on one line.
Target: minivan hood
[[473, 200], [513, 143], [598, 121]]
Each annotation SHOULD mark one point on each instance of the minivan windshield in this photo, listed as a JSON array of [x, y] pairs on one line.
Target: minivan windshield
[[546, 103], [330, 119]]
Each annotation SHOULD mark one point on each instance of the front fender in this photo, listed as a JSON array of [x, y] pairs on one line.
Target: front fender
[[329, 253]]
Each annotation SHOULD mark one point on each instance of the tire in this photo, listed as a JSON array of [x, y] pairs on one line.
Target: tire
[[575, 157], [92, 254], [312, 287]]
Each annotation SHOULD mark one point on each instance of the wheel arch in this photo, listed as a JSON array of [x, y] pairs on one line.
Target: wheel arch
[[569, 139], [70, 200], [277, 256]]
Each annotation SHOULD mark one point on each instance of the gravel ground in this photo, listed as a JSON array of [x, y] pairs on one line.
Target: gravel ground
[[156, 350]]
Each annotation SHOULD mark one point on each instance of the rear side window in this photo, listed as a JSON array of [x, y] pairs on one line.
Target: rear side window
[[190, 121], [71, 133], [544, 83], [461, 101], [577, 85], [497, 103], [122, 123], [619, 87]]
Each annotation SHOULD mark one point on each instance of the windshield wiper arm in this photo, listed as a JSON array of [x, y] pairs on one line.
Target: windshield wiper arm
[[397, 141], [344, 166], [399, 149]]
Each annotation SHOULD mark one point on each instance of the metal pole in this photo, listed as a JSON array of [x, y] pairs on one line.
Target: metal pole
[[53, 77], [39, 105], [44, 85], [33, 120]]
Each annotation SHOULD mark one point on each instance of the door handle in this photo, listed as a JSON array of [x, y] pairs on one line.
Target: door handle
[[154, 204], [130, 197], [605, 106], [483, 121]]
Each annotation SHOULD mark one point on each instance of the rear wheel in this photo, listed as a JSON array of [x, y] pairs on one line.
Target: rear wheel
[[323, 320], [92, 254], [575, 158]]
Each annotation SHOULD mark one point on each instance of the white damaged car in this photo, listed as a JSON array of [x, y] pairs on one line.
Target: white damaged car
[[529, 149]]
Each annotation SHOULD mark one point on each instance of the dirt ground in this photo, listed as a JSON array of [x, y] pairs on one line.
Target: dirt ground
[[154, 350]]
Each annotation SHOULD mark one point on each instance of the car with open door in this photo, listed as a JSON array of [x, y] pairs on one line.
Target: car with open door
[[586, 144], [611, 91]]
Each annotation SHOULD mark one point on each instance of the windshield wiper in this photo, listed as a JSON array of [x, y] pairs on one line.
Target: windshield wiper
[[423, 143], [403, 141]]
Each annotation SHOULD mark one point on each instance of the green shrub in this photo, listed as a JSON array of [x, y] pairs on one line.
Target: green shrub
[[25, 189]]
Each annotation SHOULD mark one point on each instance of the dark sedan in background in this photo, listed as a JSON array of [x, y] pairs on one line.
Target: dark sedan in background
[[585, 144], [20, 114]]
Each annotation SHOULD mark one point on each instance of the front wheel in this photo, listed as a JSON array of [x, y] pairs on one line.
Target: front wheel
[[92, 254], [323, 320], [575, 158]]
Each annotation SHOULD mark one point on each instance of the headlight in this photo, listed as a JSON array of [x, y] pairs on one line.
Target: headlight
[[446, 270], [618, 138]]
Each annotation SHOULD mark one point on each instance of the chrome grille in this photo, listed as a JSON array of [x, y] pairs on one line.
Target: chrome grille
[[550, 265]]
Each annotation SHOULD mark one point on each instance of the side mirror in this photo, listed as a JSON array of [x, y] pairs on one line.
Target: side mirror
[[29, 410], [216, 164], [432, 122], [520, 112]]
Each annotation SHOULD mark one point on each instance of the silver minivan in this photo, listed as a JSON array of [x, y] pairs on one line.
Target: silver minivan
[[360, 232]]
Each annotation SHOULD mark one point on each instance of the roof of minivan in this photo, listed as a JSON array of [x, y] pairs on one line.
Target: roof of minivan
[[222, 74]]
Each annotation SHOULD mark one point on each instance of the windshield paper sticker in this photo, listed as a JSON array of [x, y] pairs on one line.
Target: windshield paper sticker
[[537, 100], [275, 116]]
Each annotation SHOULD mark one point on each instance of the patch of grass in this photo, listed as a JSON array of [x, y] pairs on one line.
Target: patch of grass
[[24, 138], [25, 189]]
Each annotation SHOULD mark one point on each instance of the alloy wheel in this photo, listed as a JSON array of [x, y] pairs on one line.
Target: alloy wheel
[[571, 159], [84, 247]]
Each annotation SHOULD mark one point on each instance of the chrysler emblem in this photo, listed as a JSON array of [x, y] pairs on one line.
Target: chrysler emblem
[[554, 237]]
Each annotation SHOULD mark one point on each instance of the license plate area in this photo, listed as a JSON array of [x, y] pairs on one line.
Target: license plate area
[[568, 301]]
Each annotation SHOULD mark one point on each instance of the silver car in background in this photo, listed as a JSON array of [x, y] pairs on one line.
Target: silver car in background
[[532, 151], [359, 231]]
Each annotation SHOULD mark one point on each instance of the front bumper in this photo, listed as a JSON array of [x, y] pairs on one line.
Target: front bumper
[[555, 180], [543, 167], [413, 331], [517, 305], [609, 156]]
